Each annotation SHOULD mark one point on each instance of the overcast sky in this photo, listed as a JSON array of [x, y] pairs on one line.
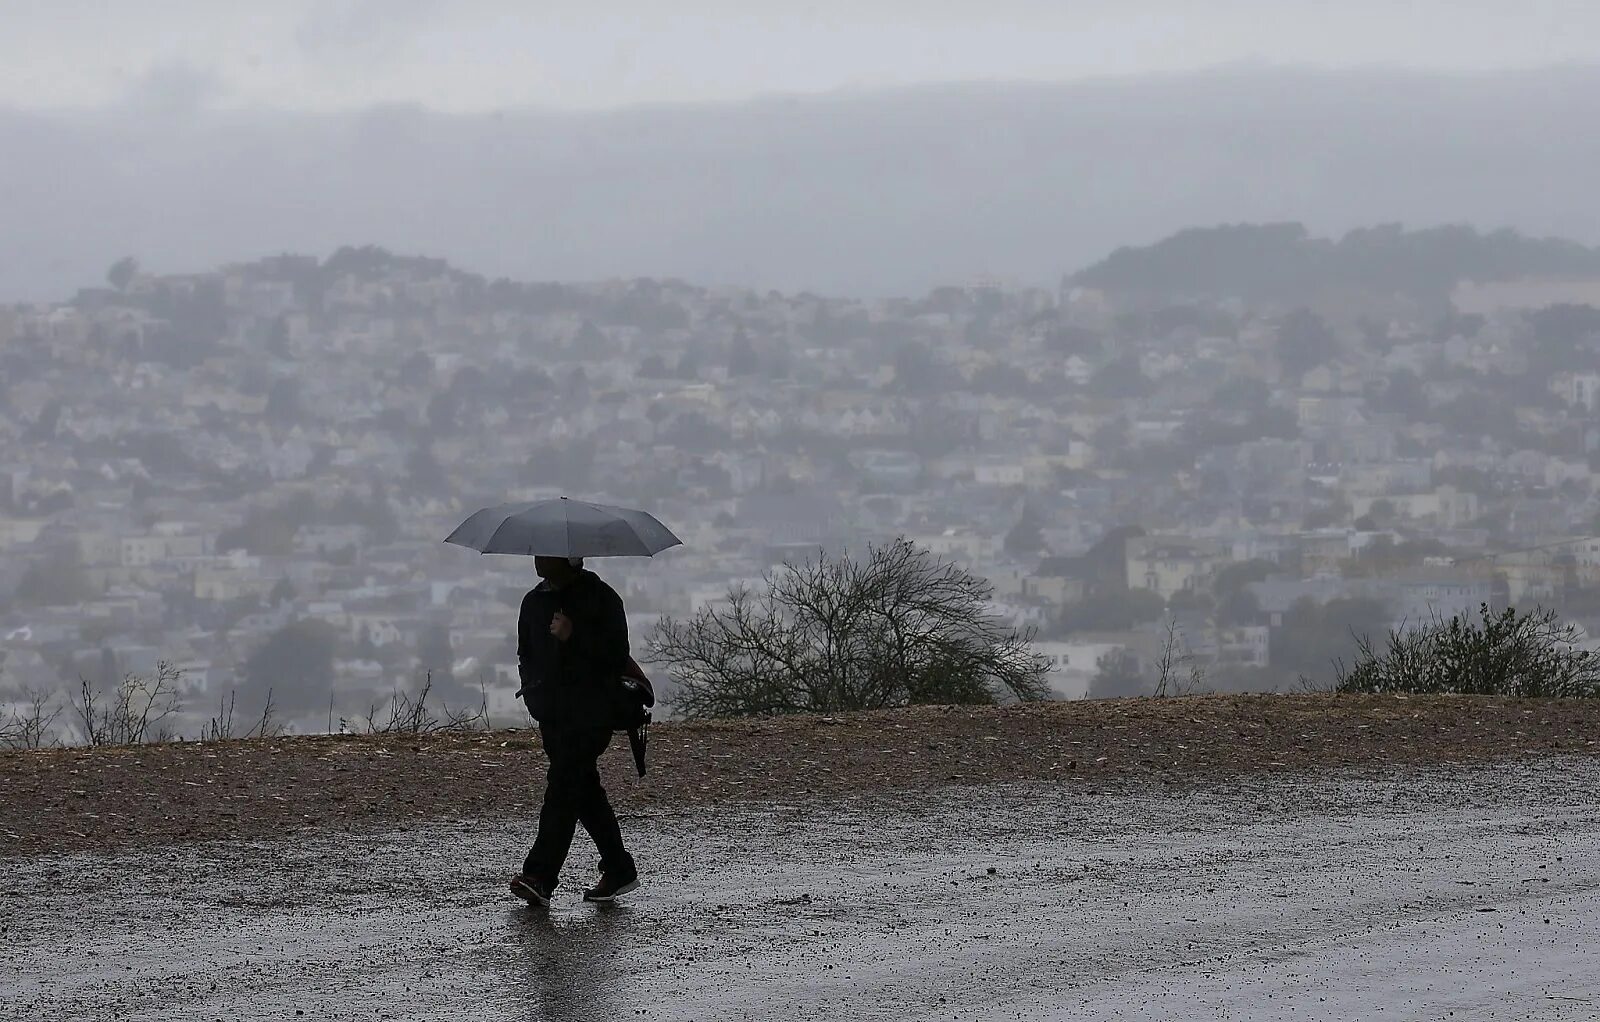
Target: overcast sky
[[489, 54]]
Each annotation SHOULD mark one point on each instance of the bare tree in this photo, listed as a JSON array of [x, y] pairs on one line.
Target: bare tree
[[408, 715], [131, 713], [1178, 672], [33, 726], [221, 727], [405, 715], [897, 628], [470, 720]]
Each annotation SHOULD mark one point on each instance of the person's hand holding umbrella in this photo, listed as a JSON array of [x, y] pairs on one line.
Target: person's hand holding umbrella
[[561, 626], [571, 530]]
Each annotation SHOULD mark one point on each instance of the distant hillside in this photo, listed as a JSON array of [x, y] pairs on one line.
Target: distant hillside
[[1284, 263], [871, 193]]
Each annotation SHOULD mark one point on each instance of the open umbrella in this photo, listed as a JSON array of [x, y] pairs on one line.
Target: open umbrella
[[563, 528]]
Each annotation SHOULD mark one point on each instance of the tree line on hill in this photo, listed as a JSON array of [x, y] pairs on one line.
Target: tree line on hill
[[1283, 263]]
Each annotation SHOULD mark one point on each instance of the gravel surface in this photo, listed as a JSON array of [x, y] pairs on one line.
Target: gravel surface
[[67, 800], [1452, 892]]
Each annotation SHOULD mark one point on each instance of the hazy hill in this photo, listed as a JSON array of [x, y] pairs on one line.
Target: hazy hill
[[1283, 263], [882, 192]]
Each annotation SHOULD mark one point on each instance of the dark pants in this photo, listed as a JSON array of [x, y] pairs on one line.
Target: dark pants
[[572, 795]]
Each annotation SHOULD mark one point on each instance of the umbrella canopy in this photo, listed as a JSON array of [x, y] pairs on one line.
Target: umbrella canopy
[[563, 528]]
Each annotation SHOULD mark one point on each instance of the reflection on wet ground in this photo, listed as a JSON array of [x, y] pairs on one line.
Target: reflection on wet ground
[[569, 966], [1462, 894]]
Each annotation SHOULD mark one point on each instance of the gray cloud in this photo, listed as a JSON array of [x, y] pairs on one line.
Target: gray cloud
[[176, 87], [474, 55], [875, 193], [360, 29]]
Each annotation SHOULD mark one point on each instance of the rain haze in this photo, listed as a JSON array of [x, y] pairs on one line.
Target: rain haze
[[476, 56], [849, 149], [1039, 510]]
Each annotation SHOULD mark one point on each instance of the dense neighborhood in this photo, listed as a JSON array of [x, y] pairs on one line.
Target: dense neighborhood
[[247, 473]]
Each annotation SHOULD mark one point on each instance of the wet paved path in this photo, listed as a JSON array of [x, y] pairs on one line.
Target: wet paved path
[[1468, 894]]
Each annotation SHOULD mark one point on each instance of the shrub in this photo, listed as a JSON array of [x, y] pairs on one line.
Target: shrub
[[897, 628], [1505, 654]]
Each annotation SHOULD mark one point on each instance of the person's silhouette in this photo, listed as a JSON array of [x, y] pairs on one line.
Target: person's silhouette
[[572, 642]]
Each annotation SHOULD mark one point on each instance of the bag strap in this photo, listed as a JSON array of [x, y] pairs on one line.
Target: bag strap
[[639, 738]]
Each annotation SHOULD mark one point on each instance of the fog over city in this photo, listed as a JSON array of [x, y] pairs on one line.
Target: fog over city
[[484, 55], [292, 288], [1032, 509], [859, 150]]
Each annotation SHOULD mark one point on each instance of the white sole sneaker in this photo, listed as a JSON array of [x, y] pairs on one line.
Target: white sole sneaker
[[613, 896], [529, 894]]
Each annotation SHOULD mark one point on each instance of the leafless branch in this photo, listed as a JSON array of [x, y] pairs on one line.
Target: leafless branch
[[33, 726], [137, 710], [825, 635]]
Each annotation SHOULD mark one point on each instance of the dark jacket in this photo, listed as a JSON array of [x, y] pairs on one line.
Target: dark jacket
[[563, 682]]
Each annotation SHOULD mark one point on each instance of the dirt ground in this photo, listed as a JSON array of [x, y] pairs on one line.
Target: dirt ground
[[67, 800]]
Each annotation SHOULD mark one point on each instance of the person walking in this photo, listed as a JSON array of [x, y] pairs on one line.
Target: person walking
[[572, 640]]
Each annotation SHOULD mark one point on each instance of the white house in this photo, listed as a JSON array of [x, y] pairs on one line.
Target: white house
[[1073, 664]]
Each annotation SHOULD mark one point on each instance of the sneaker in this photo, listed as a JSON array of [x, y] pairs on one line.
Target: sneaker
[[534, 891], [610, 887]]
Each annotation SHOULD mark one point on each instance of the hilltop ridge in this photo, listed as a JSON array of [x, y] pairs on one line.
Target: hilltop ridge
[[67, 800], [1284, 264]]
